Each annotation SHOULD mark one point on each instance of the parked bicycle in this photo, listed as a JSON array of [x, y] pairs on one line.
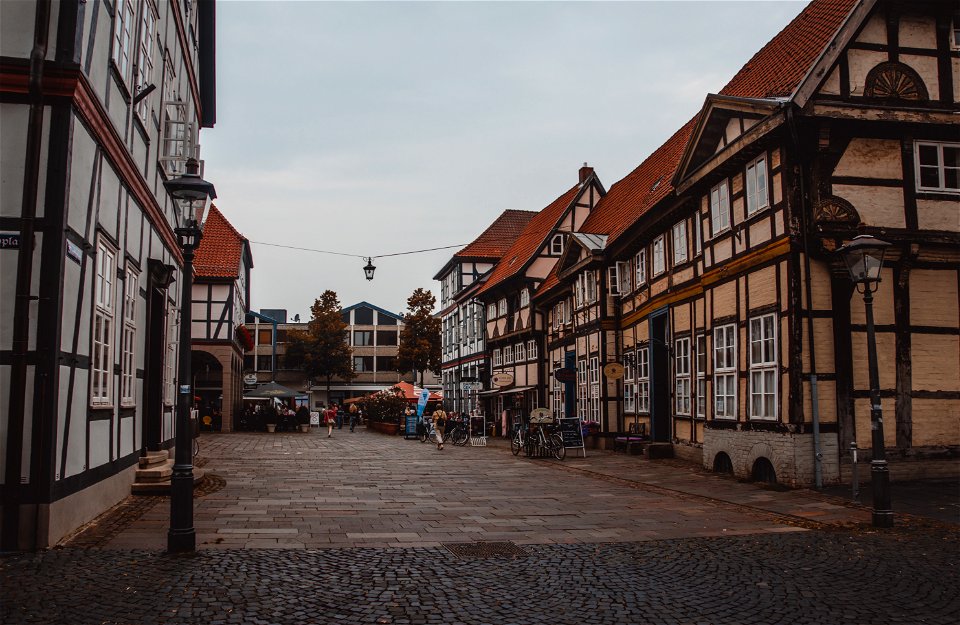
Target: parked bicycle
[[543, 441], [460, 433], [426, 432]]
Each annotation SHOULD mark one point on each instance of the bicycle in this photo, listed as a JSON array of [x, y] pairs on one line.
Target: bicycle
[[428, 433], [550, 444], [460, 434], [520, 441]]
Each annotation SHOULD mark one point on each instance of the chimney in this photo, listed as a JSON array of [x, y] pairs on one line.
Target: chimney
[[585, 172]]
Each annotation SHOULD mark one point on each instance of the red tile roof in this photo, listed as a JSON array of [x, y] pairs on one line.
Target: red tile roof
[[775, 71], [494, 242], [530, 240], [221, 248]]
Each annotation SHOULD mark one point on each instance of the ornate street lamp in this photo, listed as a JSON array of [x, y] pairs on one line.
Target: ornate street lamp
[[863, 257], [369, 269], [192, 195]]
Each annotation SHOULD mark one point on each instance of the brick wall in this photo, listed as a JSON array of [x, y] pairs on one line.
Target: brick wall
[[790, 454]]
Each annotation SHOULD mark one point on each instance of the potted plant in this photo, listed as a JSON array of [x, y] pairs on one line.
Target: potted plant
[[303, 418], [271, 417]]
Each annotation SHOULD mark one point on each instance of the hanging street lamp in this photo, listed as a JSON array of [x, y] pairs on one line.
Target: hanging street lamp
[[192, 195], [369, 269], [863, 257]]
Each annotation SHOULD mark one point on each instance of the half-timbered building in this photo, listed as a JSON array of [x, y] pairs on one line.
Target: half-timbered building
[[221, 300], [464, 360], [101, 103], [514, 326]]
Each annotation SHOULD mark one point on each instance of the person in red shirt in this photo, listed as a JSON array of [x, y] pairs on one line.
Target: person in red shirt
[[330, 418]]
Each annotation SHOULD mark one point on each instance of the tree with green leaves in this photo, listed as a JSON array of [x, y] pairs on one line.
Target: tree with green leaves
[[321, 350], [420, 337]]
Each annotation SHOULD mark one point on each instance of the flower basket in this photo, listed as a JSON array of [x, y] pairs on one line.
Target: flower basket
[[244, 337]]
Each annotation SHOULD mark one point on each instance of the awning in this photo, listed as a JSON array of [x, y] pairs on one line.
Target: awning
[[506, 391], [272, 389], [518, 389]]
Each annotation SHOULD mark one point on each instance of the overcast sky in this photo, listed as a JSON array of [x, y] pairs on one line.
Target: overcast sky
[[382, 127]]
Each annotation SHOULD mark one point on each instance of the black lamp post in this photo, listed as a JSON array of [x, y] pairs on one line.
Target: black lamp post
[[369, 268], [192, 195], [863, 257]]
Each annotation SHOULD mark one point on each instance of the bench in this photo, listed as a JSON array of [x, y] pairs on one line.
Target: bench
[[636, 438]]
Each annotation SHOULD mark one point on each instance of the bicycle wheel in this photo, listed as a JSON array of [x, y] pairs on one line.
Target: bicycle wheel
[[196, 446], [460, 437], [422, 436], [556, 444], [516, 445]]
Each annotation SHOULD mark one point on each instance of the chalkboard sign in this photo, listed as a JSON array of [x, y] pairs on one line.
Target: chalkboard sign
[[410, 425], [572, 434]]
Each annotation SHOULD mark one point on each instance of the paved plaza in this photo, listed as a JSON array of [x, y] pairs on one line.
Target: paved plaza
[[366, 528]]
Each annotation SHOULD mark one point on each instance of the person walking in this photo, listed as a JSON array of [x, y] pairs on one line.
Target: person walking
[[354, 413], [339, 416], [439, 425], [330, 418]]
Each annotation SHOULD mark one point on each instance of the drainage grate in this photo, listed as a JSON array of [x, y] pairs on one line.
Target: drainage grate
[[486, 550]]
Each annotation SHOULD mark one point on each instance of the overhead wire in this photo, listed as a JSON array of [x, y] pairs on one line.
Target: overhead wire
[[364, 256]]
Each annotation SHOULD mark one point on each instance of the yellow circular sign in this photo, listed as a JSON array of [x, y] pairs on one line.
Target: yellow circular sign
[[613, 370]]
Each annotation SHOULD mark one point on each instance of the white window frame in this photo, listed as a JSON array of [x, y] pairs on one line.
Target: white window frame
[[520, 352], [701, 371], [102, 330], [508, 355], [556, 245], [128, 362], [172, 341], [640, 267], [725, 371], [532, 349], [940, 166], [720, 207], [659, 256], [955, 34], [755, 173], [764, 367], [595, 388], [582, 392], [557, 391], [525, 297], [567, 311], [697, 240], [502, 307], [680, 242], [629, 374], [643, 380], [681, 371], [123, 37], [624, 272], [613, 279], [178, 141], [491, 311], [143, 69], [497, 358]]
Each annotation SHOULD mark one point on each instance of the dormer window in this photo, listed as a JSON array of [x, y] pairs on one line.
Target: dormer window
[[556, 245]]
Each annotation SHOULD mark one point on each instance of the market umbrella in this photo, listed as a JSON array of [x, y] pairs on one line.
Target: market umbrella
[[272, 389]]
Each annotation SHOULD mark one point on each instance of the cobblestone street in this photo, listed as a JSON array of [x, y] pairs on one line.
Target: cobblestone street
[[365, 528]]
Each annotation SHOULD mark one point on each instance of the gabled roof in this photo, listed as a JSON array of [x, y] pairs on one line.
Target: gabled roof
[[221, 248], [532, 238], [776, 71], [494, 241], [366, 304]]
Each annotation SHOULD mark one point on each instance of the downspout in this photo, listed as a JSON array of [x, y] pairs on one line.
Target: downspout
[[9, 541], [814, 400]]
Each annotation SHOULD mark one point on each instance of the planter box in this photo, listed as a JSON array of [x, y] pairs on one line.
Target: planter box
[[384, 428]]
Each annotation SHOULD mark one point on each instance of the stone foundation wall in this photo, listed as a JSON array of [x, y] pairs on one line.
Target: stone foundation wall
[[790, 454], [688, 452]]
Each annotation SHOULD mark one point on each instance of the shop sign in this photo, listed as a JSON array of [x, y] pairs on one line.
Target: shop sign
[[503, 379]]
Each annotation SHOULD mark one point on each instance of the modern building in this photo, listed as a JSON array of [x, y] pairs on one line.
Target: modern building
[[90, 259], [221, 296], [464, 357], [373, 334], [708, 275]]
